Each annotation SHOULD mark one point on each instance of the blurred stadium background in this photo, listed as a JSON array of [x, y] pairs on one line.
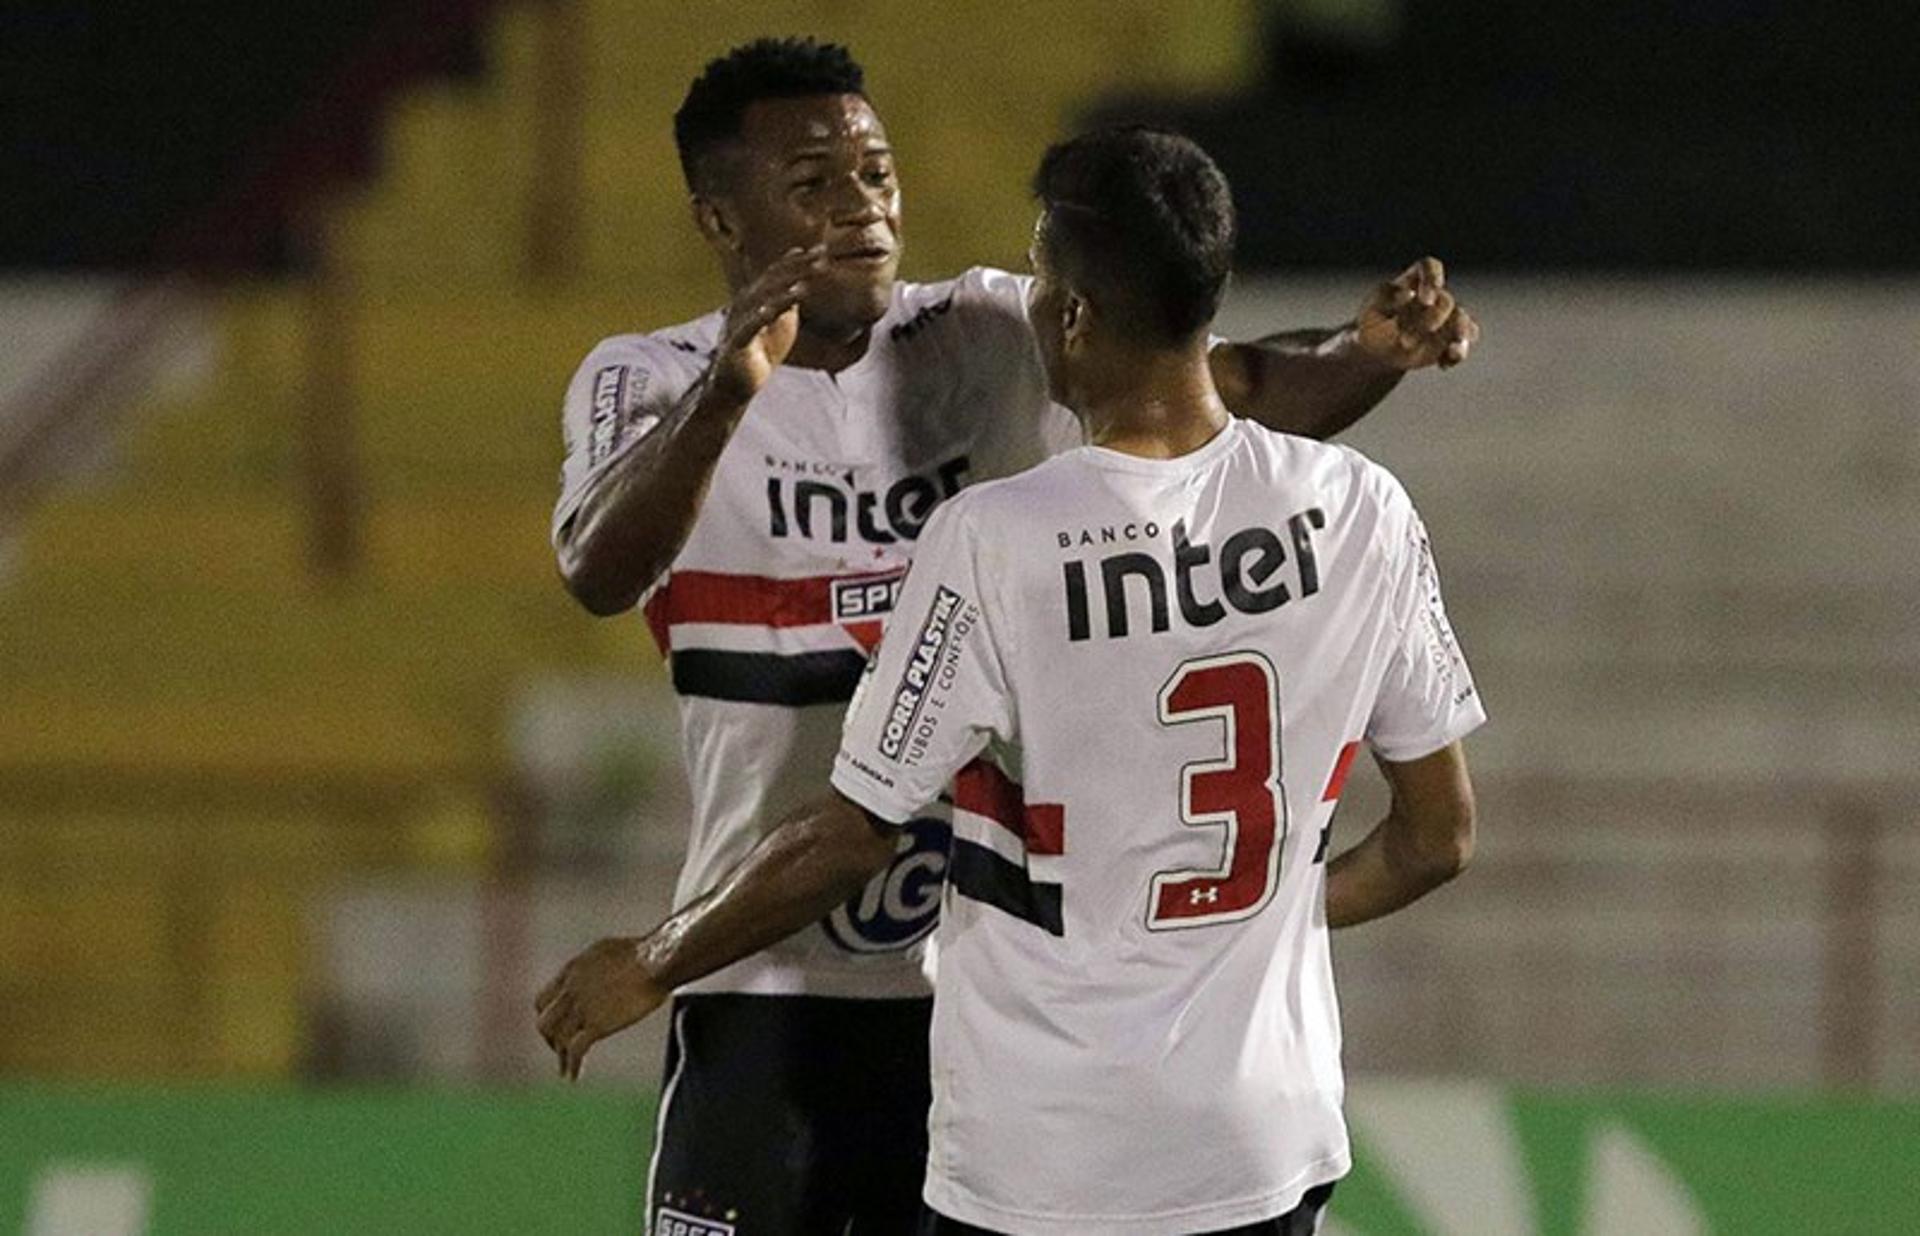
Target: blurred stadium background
[[309, 771]]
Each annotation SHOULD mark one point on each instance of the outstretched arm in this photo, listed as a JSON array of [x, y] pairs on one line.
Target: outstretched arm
[[815, 859], [1425, 840], [1317, 383], [638, 514]]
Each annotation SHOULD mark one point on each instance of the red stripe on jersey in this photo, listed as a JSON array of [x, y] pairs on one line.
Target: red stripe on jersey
[[1341, 767], [984, 790], [656, 611], [760, 600], [748, 600]]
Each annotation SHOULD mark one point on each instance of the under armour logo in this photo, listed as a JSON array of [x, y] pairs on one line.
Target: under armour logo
[[1209, 894]]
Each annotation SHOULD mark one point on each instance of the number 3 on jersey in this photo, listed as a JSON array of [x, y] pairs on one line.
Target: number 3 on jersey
[[1241, 792]]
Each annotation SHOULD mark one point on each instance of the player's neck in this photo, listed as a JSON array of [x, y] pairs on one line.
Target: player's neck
[[1158, 407], [828, 348]]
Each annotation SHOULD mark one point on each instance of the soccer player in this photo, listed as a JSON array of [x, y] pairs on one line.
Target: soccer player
[[758, 479], [1144, 667]]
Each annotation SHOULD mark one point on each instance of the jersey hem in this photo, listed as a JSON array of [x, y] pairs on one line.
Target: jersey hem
[[949, 1199], [903, 982]]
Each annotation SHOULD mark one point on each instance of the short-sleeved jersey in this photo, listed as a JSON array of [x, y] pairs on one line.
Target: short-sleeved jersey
[[793, 562], [1150, 678]]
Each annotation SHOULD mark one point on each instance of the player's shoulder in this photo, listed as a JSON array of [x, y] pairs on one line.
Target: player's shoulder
[[980, 295], [1330, 466], [683, 348], [993, 510]]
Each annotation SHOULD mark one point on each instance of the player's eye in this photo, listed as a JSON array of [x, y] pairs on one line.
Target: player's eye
[[809, 184], [879, 175]]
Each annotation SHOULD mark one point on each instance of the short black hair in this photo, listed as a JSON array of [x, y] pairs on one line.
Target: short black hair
[[1141, 219], [792, 68]]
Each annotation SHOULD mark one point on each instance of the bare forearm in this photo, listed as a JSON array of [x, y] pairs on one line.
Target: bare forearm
[[1314, 383], [1386, 871], [637, 516], [811, 863], [634, 521]]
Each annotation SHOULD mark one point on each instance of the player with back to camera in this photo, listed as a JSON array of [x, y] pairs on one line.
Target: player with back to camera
[[758, 477], [1144, 666]]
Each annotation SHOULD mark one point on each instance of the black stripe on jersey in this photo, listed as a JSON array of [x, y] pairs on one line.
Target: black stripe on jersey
[[768, 678], [977, 872]]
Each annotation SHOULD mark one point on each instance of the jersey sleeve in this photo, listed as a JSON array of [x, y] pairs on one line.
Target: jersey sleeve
[[1427, 698], [994, 301], [616, 398], [936, 691]]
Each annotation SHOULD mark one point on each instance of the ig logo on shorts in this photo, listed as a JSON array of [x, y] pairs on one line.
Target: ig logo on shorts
[[902, 903]]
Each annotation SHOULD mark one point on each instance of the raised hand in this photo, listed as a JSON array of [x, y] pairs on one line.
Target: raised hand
[[1412, 321], [763, 321]]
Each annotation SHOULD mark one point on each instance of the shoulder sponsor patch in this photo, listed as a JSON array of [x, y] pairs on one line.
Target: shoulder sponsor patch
[[609, 410], [617, 392], [916, 682]]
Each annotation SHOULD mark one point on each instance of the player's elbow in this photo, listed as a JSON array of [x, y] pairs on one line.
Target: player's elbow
[[601, 591], [1433, 805], [1446, 840]]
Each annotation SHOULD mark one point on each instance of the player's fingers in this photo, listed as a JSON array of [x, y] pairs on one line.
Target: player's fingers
[[780, 277], [792, 264], [1391, 297], [576, 1053], [546, 994], [756, 317], [1430, 317], [555, 1023], [1461, 330], [1429, 277]]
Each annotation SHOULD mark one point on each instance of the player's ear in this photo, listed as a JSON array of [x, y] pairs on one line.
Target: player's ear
[[1076, 317], [716, 223]]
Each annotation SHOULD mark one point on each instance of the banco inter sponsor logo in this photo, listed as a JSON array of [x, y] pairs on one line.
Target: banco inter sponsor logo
[[816, 504], [911, 695], [901, 905], [1243, 575]]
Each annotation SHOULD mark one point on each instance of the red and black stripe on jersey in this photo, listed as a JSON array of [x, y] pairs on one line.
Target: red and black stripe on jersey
[[979, 872], [792, 679]]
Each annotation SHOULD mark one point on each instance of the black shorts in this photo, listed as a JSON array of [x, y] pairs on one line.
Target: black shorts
[[791, 1116], [1302, 1220]]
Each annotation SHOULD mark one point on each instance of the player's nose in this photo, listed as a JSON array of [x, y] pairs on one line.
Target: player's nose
[[863, 206]]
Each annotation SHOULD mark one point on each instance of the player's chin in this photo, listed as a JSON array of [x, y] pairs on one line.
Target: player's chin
[[854, 294]]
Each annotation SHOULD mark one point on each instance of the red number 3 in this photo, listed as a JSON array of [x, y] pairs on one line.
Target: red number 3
[[1241, 792]]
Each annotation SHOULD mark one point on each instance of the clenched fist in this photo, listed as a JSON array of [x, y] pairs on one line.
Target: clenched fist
[[1412, 321]]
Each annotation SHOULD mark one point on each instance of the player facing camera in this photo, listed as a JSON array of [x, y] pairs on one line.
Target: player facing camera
[[793, 183]]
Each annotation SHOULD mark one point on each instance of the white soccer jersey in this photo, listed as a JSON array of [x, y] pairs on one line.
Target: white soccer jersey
[[793, 562], [1151, 678]]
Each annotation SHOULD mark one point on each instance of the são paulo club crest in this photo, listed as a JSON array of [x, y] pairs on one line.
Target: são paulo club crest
[[902, 903]]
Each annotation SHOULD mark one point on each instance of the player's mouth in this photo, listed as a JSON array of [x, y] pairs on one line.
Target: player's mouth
[[868, 256]]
